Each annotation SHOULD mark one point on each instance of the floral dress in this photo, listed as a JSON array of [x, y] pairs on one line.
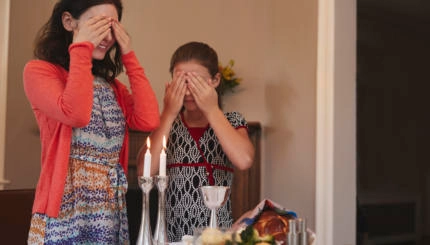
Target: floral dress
[[93, 208], [195, 158]]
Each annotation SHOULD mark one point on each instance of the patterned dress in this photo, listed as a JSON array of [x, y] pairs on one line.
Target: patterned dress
[[195, 158], [93, 208]]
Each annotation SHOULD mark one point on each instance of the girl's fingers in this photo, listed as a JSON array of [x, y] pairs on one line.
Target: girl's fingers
[[182, 89], [178, 82], [198, 83], [191, 83], [194, 90], [177, 86]]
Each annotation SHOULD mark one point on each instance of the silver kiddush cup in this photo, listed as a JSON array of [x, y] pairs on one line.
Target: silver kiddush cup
[[160, 235], [145, 234]]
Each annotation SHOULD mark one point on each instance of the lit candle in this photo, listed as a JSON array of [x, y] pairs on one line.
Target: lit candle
[[163, 159], [147, 162]]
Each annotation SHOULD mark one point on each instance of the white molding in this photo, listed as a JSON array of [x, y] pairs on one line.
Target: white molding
[[335, 213], [325, 116], [4, 44]]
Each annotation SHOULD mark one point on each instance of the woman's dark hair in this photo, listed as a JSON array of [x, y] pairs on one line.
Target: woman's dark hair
[[52, 41], [198, 52]]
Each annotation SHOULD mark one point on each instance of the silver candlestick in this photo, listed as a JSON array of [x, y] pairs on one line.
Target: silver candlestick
[[160, 235], [145, 234]]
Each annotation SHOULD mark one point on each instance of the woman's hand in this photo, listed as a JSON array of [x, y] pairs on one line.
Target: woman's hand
[[121, 37], [174, 95], [203, 93], [92, 30]]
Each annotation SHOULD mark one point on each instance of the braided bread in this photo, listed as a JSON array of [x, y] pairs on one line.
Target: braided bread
[[271, 223]]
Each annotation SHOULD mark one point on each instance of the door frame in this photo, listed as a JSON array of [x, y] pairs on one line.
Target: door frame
[[335, 198]]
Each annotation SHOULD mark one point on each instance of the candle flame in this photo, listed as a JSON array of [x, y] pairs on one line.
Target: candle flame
[[164, 142], [148, 143]]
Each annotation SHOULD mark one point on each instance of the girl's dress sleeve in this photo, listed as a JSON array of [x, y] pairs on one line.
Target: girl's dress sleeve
[[141, 106], [64, 96], [236, 120]]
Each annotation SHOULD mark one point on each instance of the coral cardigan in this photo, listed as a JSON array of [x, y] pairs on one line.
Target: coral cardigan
[[62, 100]]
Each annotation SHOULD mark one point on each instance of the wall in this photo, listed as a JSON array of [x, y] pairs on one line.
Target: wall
[[274, 46], [275, 52], [22, 156], [290, 91], [4, 37]]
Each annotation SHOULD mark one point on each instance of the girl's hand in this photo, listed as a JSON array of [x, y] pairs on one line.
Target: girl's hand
[[121, 37], [174, 95], [203, 93], [92, 30]]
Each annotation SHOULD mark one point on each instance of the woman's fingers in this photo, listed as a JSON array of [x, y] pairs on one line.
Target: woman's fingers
[[97, 20], [122, 37], [93, 30], [100, 23]]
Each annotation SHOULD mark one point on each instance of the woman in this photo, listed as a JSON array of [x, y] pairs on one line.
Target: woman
[[84, 114], [204, 144]]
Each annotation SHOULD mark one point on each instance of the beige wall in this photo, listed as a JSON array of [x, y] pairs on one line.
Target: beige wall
[[274, 46], [22, 148], [4, 37], [275, 52]]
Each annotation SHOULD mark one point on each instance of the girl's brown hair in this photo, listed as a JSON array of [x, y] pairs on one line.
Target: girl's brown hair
[[201, 53]]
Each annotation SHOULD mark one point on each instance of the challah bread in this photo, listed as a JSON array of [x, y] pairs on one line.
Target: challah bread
[[271, 223]]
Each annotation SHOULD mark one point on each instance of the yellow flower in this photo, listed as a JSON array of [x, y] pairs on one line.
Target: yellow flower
[[228, 78], [227, 73]]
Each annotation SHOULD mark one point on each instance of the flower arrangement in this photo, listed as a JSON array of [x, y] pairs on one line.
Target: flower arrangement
[[229, 80]]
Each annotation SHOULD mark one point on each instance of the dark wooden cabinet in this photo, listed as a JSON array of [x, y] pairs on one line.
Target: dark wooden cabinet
[[246, 188], [245, 192]]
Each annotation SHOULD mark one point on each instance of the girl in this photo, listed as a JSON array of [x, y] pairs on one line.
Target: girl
[[204, 144]]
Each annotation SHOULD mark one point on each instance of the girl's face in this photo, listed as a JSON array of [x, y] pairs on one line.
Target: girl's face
[[191, 66], [108, 10]]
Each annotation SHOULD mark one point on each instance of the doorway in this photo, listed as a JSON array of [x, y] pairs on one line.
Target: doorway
[[393, 170]]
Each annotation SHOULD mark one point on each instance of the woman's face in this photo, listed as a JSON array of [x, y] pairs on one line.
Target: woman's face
[[109, 40], [191, 66]]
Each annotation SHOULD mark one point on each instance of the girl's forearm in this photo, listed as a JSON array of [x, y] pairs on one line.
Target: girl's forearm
[[235, 142]]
